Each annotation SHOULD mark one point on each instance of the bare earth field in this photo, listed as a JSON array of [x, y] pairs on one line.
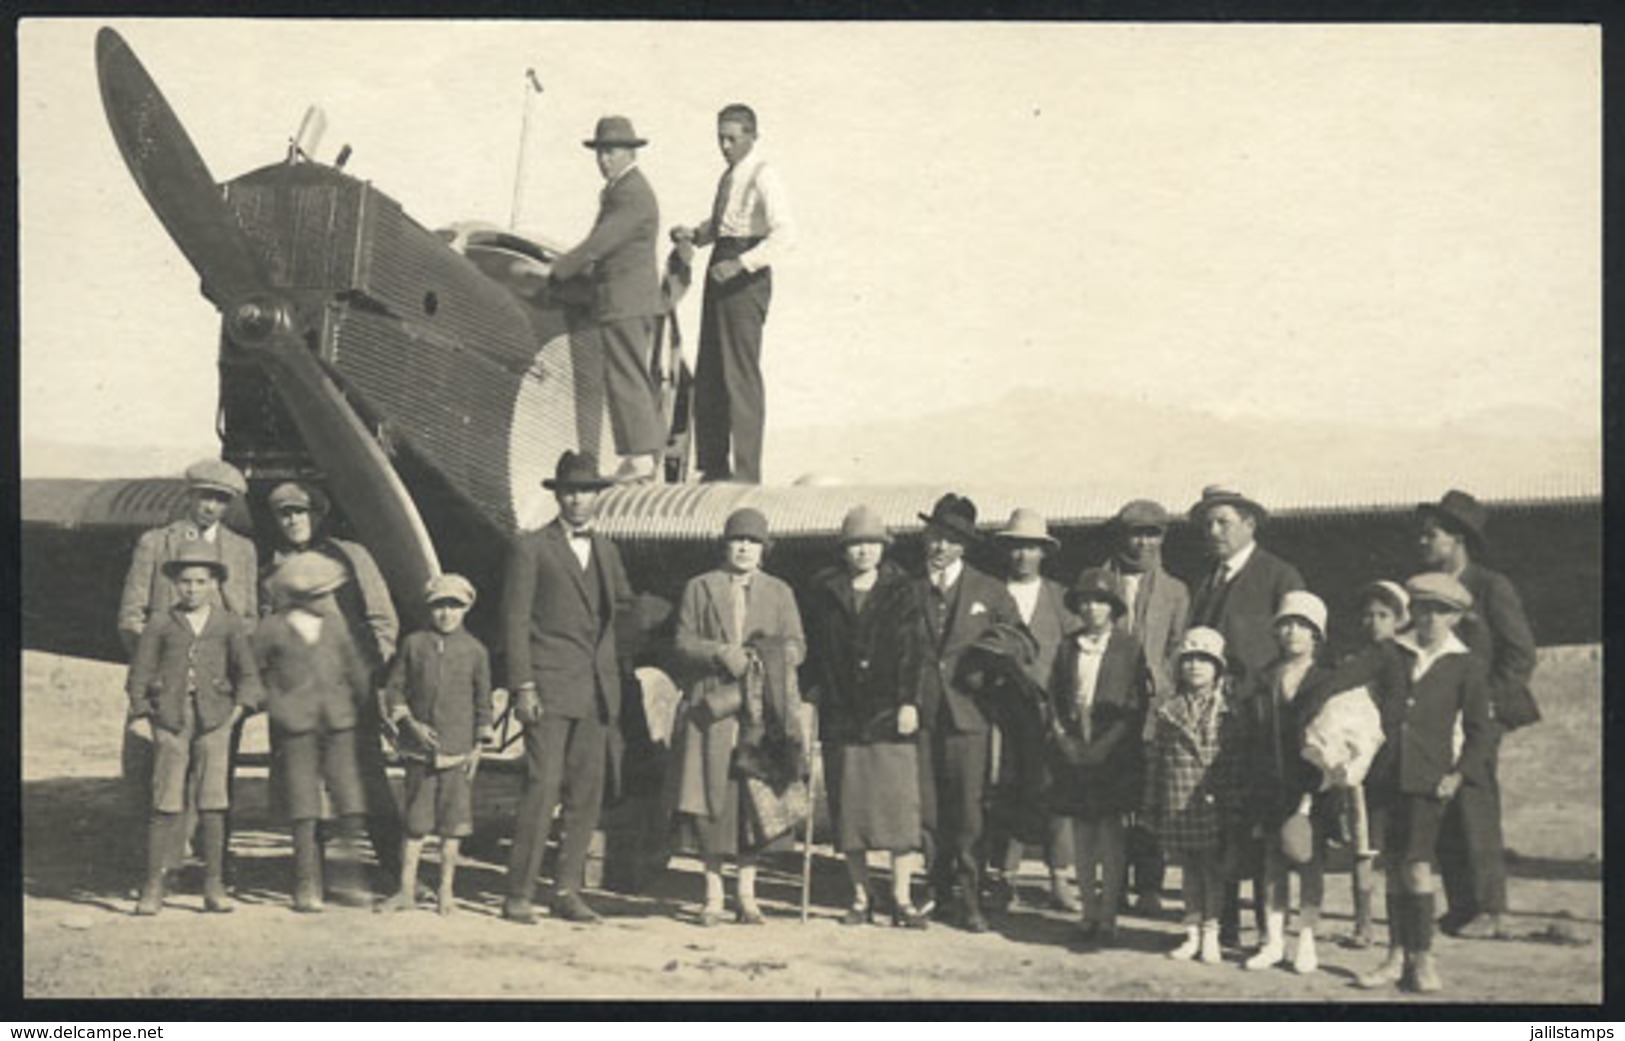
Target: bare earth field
[[80, 864]]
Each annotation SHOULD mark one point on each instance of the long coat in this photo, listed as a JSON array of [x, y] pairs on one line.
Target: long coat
[[1243, 609], [148, 592], [1194, 782], [976, 603], [1122, 694], [865, 662], [172, 660], [1278, 774], [705, 627], [1158, 616], [558, 632], [618, 255]]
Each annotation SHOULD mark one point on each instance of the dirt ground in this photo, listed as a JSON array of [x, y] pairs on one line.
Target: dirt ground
[[81, 861]]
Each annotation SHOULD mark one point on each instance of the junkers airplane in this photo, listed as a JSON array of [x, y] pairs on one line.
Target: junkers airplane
[[424, 380]]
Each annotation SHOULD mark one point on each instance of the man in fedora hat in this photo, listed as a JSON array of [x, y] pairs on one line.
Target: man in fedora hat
[[960, 604], [1025, 541], [618, 258], [749, 229], [1158, 608], [562, 588], [1471, 859], [1238, 598]]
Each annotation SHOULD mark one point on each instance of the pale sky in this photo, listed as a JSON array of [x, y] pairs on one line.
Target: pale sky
[[1396, 223]]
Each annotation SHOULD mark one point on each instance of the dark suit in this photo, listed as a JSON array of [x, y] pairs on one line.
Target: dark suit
[[1472, 861], [1242, 609], [954, 730], [618, 256], [558, 624]]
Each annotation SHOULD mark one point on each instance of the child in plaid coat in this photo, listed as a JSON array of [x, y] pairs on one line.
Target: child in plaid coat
[[1193, 785]]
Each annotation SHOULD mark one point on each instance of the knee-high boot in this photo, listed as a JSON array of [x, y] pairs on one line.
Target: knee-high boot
[[307, 868], [1424, 974], [212, 833], [163, 830]]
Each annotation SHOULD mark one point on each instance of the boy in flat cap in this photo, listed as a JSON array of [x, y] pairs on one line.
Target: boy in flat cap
[[1471, 858], [438, 701], [316, 688], [193, 678]]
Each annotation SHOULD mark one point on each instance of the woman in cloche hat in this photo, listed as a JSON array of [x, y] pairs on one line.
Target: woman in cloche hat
[[732, 620]]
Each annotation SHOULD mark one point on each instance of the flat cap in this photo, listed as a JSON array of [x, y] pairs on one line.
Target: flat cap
[[216, 475], [1436, 587], [1142, 513], [305, 576], [449, 586], [196, 553], [296, 493]]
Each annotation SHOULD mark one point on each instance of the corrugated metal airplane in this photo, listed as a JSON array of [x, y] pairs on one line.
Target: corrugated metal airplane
[[423, 379]]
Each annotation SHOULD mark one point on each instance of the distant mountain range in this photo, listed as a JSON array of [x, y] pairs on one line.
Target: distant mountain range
[[1119, 447], [1135, 448]]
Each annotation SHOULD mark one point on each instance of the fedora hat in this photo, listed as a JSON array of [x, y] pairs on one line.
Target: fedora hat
[[615, 132], [863, 524], [1027, 526], [1097, 583], [1459, 513], [1436, 587], [954, 514], [216, 475], [196, 553], [1142, 513], [747, 522], [305, 576], [576, 470], [1223, 495], [449, 587], [1300, 603]]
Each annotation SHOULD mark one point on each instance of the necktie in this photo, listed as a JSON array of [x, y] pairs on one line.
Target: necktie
[[719, 207], [741, 605]]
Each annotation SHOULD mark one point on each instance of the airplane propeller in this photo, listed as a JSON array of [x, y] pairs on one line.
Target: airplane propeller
[[259, 318]]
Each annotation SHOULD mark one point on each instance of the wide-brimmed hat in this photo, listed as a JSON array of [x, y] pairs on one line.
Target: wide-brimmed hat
[[1459, 513], [304, 576], [1390, 593], [196, 553], [1027, 526], [954, 514], [1436, 587], [615, 132], [449, 587], [863, 524], [1142, 513], [216, 475], [1097, 583], [294, 493], [1300, 603], [576, 471], [747, 522], [1209, 643], [1223, 495]]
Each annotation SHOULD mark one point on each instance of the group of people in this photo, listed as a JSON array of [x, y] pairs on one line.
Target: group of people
[[960, 716], [748, 228]]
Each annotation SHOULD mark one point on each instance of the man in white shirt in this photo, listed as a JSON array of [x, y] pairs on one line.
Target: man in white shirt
[[749, 228]]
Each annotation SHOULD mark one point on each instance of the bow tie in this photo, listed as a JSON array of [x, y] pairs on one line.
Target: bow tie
[[581, 533]]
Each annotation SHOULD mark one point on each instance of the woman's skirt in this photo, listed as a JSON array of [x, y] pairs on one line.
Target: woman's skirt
[[879, 802]]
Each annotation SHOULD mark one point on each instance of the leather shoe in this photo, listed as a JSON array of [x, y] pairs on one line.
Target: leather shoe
[[909, 918], [750, 916], [1482, 927], [570, 907], [519, 912]]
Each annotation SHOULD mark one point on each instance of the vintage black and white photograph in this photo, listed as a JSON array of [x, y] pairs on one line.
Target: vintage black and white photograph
[[928, 511]]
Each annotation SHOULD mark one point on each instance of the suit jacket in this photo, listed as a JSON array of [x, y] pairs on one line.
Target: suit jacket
[[312, 686], [1497, 631], [551, 632], [1050, 623], [171, 661], [976, 603], [1159, 616], [1243, 610], [1419, 717], [444, 681], [619, 253], [148, 593]]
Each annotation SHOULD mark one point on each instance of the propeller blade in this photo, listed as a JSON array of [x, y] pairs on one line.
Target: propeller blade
[[172, 176]]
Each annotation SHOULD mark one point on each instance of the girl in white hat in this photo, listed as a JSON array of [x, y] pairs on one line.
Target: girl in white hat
[[1193, 780]]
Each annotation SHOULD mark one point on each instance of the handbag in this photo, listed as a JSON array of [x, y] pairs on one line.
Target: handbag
[[777, 811]]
